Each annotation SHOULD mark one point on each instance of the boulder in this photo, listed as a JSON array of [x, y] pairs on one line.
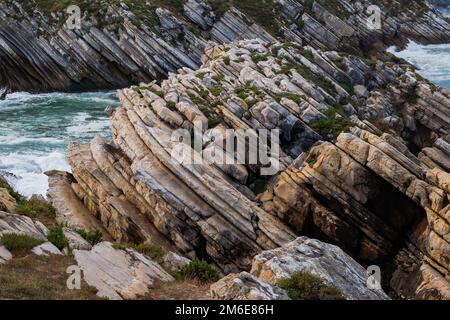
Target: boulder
[[119, 274], [361, 91], [5, 255]]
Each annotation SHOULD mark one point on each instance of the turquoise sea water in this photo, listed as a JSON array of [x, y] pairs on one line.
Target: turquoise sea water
[[35, 130]]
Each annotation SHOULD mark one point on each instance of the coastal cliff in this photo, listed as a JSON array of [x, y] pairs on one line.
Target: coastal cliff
[[119, 44]]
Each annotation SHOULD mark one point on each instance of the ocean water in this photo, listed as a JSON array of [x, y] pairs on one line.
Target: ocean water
[[35, 130], [433, 61]]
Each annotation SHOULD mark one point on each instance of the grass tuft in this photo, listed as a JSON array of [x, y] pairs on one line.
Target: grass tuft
[[199, 269], [305, 286]]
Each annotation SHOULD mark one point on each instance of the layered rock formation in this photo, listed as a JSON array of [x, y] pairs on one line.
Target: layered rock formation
[[121, 44], [328, 262], [364, 150]]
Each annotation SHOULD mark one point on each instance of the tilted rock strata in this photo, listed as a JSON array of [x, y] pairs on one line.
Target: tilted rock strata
[[121, 44]]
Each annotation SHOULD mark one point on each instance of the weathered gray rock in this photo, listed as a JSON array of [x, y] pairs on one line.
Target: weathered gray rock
[[130, 44], [363, 189], [119, 274], [245, 286], [45, 249], [75, 240], [327, 261]]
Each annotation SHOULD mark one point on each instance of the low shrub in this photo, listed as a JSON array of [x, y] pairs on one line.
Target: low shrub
[[35, 208], [305, 286], [14, 242], [334, 122], [201, 270], [12, 193]]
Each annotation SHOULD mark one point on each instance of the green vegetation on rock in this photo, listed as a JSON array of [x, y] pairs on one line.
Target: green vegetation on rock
[[37, 209], [93, 237], [11, 191], [305, 286], [334, 122]]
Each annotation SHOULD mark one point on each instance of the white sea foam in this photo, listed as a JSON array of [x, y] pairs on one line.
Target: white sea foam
[[433, 61]]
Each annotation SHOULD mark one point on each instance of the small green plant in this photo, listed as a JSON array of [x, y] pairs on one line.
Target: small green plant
[[14, 242], [149, 88], [306, 53], [226, 60], [411, 95], [260, 57], [93, 237], [311, 161], [334, 122], [305, 286], [57, 237], [201, 270], [121, 246], [201, 75], [291, 96]]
